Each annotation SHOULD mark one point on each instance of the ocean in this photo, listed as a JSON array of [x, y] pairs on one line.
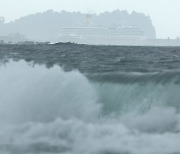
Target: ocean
[[69, 98]]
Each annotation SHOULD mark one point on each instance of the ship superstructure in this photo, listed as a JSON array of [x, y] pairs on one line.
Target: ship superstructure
[[95, 34], [90, 33]]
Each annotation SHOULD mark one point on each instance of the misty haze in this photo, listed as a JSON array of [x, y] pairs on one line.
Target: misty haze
[[108, 28], [76, 27], [74, 81]]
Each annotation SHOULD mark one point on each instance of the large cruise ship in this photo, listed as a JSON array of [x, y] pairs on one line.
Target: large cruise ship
[[101, 34]]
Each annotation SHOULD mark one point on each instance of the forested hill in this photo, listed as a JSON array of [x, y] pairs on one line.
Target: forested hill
[[46, 26]]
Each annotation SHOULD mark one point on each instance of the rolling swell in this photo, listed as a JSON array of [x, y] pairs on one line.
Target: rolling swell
[[45, 94], [137, 92]]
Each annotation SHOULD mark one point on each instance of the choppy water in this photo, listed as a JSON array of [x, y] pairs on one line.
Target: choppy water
[[77, 99]]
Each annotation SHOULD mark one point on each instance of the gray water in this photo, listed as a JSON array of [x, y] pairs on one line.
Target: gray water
[[78, 99]]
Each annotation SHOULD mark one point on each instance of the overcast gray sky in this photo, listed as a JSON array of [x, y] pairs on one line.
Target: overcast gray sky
[[164, 13]]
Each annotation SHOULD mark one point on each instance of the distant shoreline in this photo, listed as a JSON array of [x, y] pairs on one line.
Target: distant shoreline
[[125, 42]]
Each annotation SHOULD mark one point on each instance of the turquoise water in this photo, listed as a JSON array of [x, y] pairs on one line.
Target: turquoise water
[[49, 110]]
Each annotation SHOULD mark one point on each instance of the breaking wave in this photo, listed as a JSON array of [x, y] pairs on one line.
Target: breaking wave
[[52, 111]]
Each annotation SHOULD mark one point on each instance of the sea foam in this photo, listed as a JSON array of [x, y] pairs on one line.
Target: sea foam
[[52, 111]]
